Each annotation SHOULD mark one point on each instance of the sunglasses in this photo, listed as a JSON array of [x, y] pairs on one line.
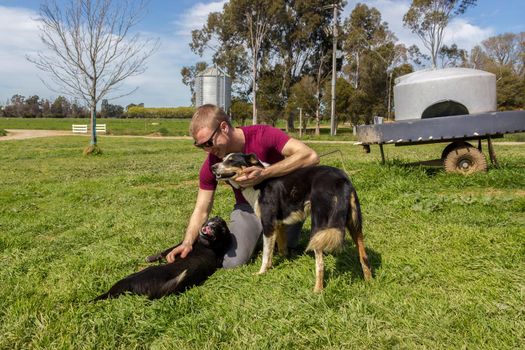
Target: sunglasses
[[208, 143]]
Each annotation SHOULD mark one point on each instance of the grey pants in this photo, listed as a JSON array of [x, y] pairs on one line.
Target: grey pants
[[246, 229]]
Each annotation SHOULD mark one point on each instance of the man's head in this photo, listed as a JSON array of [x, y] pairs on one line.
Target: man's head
[[211, 129]]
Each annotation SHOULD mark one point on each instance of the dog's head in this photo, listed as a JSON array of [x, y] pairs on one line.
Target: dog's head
[[215, 235], [233, 164]]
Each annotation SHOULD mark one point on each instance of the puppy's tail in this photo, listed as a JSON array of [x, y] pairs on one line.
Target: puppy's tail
[[102, 297]]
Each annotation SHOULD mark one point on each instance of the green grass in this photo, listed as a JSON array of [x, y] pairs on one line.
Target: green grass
[[159, 127], [447, 251], [164, 127], [179, 127]]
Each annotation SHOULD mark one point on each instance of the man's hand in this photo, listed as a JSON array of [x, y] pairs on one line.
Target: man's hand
[[183, 250], [250, 177]]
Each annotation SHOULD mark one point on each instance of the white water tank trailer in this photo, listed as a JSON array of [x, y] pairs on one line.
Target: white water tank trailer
[[452, 105], [444, 92]]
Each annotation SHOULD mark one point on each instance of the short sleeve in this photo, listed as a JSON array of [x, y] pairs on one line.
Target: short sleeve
[[206, 179], [274, 138]]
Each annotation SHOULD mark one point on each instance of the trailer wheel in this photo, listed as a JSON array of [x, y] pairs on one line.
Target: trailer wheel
[[465, 160], [453, 146]]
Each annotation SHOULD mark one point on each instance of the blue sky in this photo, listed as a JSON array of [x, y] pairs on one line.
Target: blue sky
[[172, 22]]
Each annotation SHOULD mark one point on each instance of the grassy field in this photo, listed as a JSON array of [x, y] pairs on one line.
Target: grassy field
[[448, 254], [165, 127], [158, 127], [176, 127]]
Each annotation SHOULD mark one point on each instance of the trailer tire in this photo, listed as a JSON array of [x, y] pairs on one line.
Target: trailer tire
[[465, 160], [453, 146]]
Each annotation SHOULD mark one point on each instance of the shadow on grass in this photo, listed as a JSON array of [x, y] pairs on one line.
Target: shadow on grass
[[347, 261], [430, 167]]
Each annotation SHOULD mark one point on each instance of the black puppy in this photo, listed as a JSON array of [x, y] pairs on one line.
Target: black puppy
[[158, 281]]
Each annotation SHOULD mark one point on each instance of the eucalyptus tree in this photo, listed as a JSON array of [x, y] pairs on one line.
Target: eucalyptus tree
[[189, 75], [504, 55], [429, 18], [304, 97], [371, 56], [303, 45], [507, 49], [452, 56], [239, 38], [91, 49], [280, 37]]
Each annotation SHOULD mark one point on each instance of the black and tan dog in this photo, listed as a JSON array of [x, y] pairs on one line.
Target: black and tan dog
[[161, 280], [324, 192]]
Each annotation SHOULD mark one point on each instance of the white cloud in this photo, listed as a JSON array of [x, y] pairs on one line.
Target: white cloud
[[460, 31], [19, 37], [162, 82], [159, 86], [465, 34], [196, 17]]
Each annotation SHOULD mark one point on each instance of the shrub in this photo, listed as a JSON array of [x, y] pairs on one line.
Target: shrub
[[178, 112]]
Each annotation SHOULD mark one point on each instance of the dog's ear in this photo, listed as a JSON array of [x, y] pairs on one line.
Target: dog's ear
[[252, 159]]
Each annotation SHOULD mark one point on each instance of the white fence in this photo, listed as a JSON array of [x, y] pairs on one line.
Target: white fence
[[83, 128]]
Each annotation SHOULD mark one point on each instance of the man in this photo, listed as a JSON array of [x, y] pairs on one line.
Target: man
[[213, 132]]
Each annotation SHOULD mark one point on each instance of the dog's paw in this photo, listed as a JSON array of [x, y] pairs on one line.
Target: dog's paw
[[318, 290], [262, 271]]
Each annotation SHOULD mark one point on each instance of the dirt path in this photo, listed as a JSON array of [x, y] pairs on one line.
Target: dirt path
[[21, 134]]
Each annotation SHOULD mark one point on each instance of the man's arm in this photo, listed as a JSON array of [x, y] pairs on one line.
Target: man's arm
[[200, 214], [297, 155]]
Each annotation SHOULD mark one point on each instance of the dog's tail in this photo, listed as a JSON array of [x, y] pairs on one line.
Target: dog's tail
[[328, 240]]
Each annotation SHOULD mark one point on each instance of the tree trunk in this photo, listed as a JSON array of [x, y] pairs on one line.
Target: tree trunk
[[317, 123], [254, 91], [93, 123], [290, 127]]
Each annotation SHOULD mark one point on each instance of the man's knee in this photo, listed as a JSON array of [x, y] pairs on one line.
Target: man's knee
[[231, 262]]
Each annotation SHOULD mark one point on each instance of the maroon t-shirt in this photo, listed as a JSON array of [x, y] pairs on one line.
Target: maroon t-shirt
[[265, 141]]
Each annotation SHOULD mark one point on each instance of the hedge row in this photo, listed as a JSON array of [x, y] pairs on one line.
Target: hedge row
[[178, 112]]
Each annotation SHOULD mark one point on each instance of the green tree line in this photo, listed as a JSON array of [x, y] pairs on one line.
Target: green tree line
[[34, 107], [279, 56]]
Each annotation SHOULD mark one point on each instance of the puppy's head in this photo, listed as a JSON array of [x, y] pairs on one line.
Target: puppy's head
[[215, 234], [233, 164]]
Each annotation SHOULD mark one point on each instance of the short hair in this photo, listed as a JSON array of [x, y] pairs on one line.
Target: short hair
[[208, 115]]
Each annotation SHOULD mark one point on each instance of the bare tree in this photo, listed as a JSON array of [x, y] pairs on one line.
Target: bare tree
[[91, 49]]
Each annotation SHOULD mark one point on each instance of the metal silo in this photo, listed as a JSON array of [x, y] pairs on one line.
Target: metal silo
[[213, 86]]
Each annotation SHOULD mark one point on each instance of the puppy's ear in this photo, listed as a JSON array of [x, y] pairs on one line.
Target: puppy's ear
[[252, 159]]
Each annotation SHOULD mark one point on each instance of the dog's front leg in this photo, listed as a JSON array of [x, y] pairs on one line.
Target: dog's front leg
[[268, 245]]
